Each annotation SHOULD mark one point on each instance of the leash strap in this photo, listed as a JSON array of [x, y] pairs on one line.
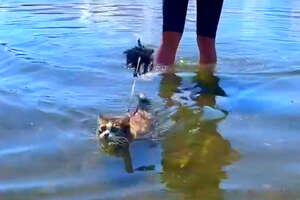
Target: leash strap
[[134, 83]]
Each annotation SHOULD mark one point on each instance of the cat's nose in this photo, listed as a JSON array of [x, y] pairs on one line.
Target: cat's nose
[[106, 135]]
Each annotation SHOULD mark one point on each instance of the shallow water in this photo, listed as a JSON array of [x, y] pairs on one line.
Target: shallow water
[[229, 135]]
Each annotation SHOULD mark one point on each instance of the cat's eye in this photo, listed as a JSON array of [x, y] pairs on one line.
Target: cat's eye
[[116, 125], [114, 129], [103, 128]]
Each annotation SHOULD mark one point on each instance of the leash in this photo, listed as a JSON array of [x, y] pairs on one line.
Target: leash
[[139, 58], [134, 83]]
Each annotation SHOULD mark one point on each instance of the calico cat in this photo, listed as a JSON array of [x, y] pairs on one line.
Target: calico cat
[[115, 133]]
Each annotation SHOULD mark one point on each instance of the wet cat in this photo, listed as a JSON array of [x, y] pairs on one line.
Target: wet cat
[[115, 133]]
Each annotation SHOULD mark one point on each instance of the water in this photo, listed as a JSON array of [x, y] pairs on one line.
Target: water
[[229, 135]]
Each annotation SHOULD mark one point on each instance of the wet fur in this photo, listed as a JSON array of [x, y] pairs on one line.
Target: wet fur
[[140, 59], [116, 133]]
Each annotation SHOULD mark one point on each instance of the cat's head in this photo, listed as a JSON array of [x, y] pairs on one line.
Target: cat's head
[[114, 137], [114, 134]]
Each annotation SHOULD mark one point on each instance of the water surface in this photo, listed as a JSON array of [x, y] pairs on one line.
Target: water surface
[[233, 134]]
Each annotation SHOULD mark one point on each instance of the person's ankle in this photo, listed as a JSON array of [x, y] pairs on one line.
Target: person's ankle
[[165, 69], [165, 57], [208, 58], [208, 61], [162, 66]]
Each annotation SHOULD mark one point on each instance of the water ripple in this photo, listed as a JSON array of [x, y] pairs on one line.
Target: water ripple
[[61, 64], [17, 150]]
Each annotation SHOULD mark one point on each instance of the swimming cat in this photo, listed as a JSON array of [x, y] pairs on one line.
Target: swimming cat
[[116, 132]]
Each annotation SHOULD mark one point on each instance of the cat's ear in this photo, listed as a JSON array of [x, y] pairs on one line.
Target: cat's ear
[[101, 119], [125, 121]]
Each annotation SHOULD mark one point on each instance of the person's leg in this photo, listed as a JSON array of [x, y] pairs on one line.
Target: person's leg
[[167, 51], [208, 15], [174, 13], [207, 50]]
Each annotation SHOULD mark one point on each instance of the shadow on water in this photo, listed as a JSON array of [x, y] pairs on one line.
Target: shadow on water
[[194, 152]]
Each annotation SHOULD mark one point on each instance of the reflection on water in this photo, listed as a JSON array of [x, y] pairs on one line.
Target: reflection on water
[[61, 64], [194, 152]]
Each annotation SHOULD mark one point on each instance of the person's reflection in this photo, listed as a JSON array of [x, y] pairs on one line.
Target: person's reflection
[[194, 153]]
